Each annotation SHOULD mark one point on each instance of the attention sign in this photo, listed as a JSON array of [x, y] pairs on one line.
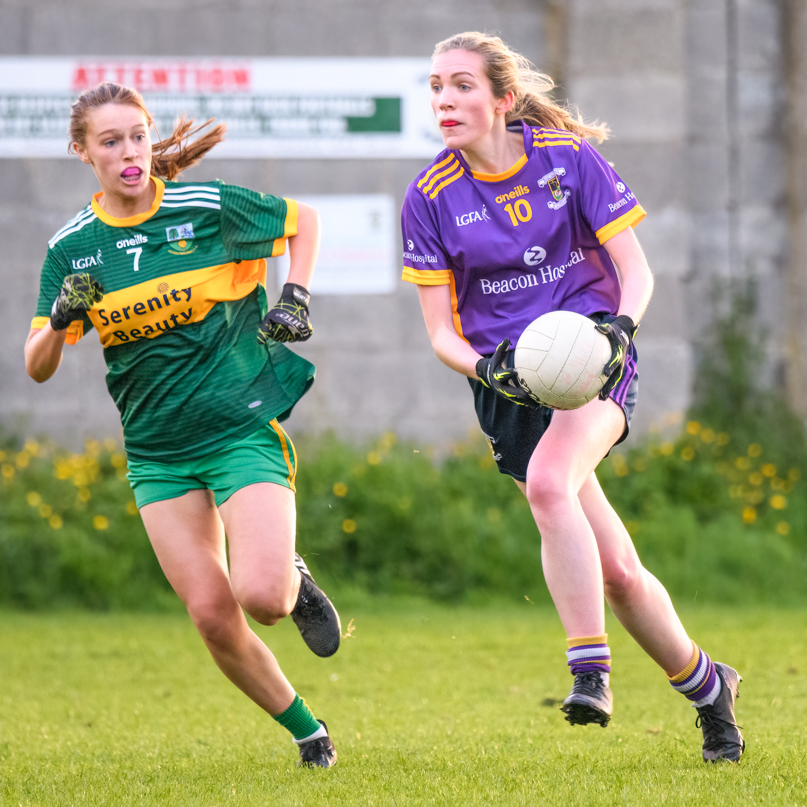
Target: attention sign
[[273, 108]]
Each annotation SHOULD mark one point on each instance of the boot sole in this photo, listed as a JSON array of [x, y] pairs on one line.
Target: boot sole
[[580, 714]]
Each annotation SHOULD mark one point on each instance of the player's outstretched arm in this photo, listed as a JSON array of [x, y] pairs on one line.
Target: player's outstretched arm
[[43, 348], [637, 286], [288, 320], [43, 352], [637, 280], [450, 348]]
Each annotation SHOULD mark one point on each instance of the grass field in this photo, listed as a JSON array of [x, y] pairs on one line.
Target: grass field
[[427, 705]]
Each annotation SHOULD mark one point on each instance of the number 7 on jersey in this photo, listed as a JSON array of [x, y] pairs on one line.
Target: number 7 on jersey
[[136, 252]]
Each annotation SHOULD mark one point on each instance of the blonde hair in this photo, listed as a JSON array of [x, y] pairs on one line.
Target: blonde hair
[[509, 71], [168, 157]]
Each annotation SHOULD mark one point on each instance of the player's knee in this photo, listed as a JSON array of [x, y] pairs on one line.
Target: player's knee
[[546, 492], [266, 606], [621, 578], [215, 622]]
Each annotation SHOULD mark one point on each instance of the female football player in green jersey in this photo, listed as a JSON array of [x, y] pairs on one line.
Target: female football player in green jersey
[[171, 275], [517, 217]]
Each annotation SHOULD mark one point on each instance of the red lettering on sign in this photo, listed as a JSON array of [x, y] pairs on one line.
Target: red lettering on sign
[[159, 75]]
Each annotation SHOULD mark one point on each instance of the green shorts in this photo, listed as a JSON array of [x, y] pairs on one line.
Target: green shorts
[[266, 455]]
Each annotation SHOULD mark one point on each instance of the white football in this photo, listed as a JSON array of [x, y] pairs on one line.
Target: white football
[[560, 359]]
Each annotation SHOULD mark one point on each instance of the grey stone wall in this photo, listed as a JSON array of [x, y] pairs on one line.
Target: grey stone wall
[[708, 170]]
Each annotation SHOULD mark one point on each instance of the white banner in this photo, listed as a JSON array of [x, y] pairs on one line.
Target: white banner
[[358, 252], [273, 108]]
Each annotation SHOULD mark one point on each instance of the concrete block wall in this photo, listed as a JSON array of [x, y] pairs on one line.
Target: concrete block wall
[[656, 70]]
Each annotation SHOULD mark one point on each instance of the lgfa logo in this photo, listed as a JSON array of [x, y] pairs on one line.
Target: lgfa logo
[[473, 216], [87, 262]]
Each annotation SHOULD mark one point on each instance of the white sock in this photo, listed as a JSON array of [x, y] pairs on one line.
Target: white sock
[[320, 732]]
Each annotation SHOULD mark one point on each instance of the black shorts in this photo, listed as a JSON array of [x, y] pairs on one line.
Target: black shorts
[[513, 431]]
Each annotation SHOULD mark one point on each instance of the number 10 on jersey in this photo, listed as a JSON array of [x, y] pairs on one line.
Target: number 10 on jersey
[[518, 212]]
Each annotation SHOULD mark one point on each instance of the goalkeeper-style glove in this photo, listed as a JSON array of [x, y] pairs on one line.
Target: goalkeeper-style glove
[[620, 332], [288, 320], [77, 296], [496, 372]]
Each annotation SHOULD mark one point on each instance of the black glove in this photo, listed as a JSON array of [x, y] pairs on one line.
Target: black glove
[[288, 320], [496, 372], [620, 332], [77, 296]]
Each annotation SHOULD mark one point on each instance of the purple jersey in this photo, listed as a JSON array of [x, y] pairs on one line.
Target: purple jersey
[[516, 245]]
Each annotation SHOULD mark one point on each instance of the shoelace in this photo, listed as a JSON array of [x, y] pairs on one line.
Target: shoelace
[[712, 732], [585, 682]]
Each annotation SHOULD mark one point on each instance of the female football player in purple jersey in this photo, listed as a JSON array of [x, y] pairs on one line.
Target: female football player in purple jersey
[[519, 216], [200, 399]]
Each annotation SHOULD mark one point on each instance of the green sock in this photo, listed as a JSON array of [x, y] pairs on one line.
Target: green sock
[[298, 719]]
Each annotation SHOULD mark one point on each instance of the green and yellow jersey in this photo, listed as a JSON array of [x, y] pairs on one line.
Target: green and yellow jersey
[[183, 297]]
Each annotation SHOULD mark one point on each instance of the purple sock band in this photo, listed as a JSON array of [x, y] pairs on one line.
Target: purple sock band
[[700, 682], [589, 657]]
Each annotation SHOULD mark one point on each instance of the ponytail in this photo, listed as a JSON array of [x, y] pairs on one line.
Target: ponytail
[[168, 157]]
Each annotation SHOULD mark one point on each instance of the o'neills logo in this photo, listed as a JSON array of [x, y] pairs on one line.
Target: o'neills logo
[[519, 190], [138, 239]]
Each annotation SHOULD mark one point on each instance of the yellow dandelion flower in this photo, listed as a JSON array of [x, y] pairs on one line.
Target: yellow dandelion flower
[[723, 439], [769, 469], [374, 458], [131, 508], [778, 502], [708, 435], [84, 495], [387, 441], [3, 455], [486, 461], [92, 448], [118, 460], [620, 465], [742, 463], [687, 453], [32, 447], [749, 515], [23, 459], [666, 449], [693, 427], [349, 526], [754, 450], [62, 470], [110, 445], [100, 522], [33, 498], [55, 522], [778, 484], [756, 478], [783, 528], [45, 511], [7, 470], [340, 489]]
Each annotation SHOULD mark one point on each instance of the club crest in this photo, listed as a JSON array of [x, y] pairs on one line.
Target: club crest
[[559, 194]]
